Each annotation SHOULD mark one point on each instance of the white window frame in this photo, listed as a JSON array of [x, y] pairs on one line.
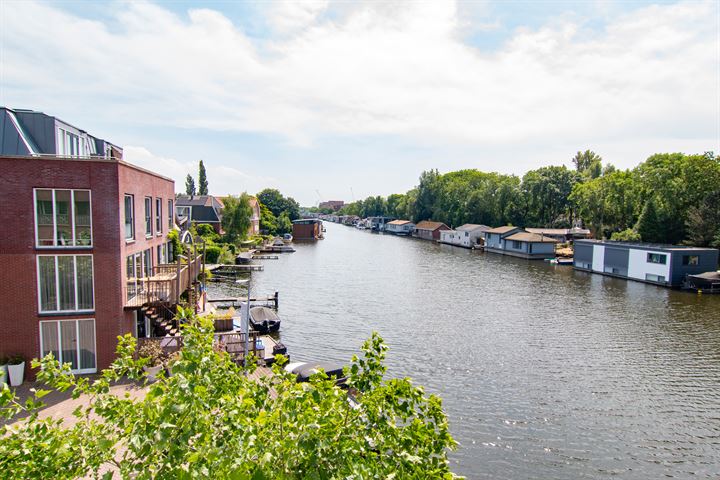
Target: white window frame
[[148, 232], [77, 336], [54, 215], [57, 284], [158, 216]]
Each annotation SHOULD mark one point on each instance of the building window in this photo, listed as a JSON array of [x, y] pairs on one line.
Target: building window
[[65, 283], [691, 260], [148, 217], [70, 144], [656, 258], [654, 278], [516, 245], [158, 215], [63, 218], [147, 263], [129, 217], [70, 341], [170, 214]]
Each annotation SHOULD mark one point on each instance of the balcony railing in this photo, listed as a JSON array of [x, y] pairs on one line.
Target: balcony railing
[[233, 343], [166, 284]]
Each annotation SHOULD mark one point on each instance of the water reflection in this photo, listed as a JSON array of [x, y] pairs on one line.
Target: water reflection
[[545, 372]]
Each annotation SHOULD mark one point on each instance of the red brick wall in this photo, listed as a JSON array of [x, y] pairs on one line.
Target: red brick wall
[[107, 181], [303, 231]]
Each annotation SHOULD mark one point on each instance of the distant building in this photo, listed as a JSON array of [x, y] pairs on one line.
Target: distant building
[[307, 229], [335, 205], [196, 209], [255, 217], [378, 224], [468, 235], [562, 234], [86, 250], [428, 230], [665, 265], [494, 237], [516, 242], [400, 227]]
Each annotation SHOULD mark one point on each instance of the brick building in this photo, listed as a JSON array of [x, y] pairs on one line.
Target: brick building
[[84, 253]]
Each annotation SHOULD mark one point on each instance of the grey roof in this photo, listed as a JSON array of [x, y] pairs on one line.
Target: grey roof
[[501, 230], [470, 227], [205, 208]]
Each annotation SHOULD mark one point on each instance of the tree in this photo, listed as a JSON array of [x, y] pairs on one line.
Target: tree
[[703, 222], [202, 180], [284, 225], [427, 192], [210, 419], [189, 185], [650, 226], [628, 235], [277, 203], [236, 217], [268, 222], [588, 163]]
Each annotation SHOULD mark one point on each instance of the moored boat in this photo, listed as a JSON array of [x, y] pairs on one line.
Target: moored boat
[[264, 320]]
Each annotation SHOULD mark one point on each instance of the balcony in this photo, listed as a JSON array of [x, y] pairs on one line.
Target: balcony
[[166, 284]]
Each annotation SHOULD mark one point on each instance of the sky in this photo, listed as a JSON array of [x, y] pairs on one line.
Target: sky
[[339, 100]]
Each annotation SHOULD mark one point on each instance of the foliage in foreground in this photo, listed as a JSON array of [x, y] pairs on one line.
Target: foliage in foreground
[[209, 420]]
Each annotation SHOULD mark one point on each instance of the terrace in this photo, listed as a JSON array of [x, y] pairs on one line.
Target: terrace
[[166, 284]]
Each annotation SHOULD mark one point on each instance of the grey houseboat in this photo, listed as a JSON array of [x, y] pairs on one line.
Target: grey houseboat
[[665, 265], [516, 242]]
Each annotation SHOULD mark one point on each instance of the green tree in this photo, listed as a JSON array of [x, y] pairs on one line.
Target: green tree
[[189, 185], [236, 217], [427, 192], [546, 191], [628, 235], [277, 203], [268, 222], [202, 180], [650, 224], [210, 419], [703, 222], [588, 163], [284, 225]]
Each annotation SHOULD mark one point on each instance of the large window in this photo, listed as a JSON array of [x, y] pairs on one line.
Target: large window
[[691, 260], [158, 216], [63, 218], [148, 217], [656, 258], [137, 267], [129, 217], [70, 144], [65, 283], [170, 213], [70, 341]]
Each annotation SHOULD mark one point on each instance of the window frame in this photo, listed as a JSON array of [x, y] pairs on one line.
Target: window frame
[[58, 311], [170, 214], [651, 255], [148, 217], [77, 350], [158, 216], [73, 225], [131, 238], [687, 260]]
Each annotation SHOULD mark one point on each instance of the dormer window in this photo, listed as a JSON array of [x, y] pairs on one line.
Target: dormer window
[[70, 144]]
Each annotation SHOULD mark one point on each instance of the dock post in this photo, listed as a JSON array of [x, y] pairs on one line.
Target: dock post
[[277, 299]]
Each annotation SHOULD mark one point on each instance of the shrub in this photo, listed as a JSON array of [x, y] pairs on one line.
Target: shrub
[[628, 235], [212, 253]]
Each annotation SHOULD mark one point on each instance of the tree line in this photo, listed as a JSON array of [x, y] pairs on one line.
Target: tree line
[[668, 198]]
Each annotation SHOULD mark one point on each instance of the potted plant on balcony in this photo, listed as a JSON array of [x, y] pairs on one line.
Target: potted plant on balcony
[[16, 370], [3, 370], [152, 352]]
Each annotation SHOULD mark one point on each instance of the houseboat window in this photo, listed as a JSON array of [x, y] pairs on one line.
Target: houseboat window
[[656, 258], [70, 341], [691, 260], [516, 244], [63, 218], [65, 283], [170, 214], [148, 217], [129, 217], [158, 215], [654, 278]]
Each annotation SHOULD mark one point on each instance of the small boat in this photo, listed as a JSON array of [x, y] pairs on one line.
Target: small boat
[[264, 320], [243, 258], [287, 238], [303, 371], [278, 242]]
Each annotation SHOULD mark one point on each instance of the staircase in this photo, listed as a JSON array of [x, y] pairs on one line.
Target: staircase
[[162, 320]]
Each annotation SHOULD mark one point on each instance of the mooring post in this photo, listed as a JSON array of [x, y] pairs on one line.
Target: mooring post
[[277, 299]]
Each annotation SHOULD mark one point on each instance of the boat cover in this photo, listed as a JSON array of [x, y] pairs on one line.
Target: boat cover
[[260, 314]]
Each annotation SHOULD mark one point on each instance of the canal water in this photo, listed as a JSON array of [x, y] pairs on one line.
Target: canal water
[[544, 372]]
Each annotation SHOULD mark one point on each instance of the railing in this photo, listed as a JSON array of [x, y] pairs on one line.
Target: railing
[[166, 284], [232, 343]]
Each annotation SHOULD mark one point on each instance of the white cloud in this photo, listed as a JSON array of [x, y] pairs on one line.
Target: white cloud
[[397, 69]]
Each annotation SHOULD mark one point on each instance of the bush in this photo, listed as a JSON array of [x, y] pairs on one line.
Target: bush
[[628, 235], [226, 256], [212, 253]]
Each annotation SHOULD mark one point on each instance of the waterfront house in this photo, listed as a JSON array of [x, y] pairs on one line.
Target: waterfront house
[[468, 235], [400, 227], [562, 234], [494, 237], [378, 223], [529, 245], [254, 228], [665, 265], [87, 249], [429, 230], [333, 205], [307, 229], [196, 209]]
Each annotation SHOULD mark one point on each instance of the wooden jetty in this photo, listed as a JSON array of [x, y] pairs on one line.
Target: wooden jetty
[[231, 269], [266, 257], [272, 301]]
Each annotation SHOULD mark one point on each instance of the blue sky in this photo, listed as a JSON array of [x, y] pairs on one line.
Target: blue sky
[[357, 98]]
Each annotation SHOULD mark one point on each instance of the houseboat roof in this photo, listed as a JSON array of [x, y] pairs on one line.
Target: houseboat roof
[[306, 221], [530, 238], [559, 231], [469, 227], [399, 222], [505, 229], [429, 225], [647, 246]]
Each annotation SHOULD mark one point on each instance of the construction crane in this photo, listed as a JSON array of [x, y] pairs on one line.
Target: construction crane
[[320, 198]]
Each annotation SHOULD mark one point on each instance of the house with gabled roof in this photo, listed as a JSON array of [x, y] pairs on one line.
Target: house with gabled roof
[[429, 230], [467, 236]]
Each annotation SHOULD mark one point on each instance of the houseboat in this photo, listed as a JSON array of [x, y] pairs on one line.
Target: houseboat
[[516, 242], [469, 235], [400, 227], [665, 265], [429, 230]]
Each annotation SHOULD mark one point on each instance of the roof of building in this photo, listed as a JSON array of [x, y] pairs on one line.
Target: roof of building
[[646, 245], [560, 231], [429, 225], [530, 238], [399, 222], [470, 227], [505, 229], [205, 208]]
